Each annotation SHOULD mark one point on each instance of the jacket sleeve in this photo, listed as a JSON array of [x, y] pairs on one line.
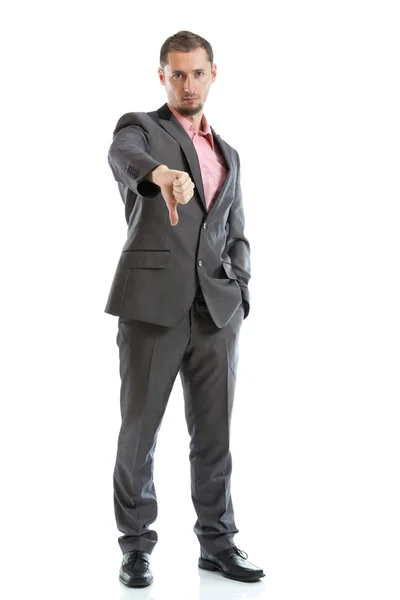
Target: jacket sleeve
[[129, 157], [238, 247]]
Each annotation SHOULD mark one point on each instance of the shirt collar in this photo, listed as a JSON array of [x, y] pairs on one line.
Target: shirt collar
[[190, 128]]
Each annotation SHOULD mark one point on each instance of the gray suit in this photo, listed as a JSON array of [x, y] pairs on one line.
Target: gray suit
[[181, 295]]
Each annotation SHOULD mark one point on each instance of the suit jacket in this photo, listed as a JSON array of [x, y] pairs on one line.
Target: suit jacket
[[160, 265]]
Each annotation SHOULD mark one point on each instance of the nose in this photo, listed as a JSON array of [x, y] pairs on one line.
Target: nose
[[188, 85]]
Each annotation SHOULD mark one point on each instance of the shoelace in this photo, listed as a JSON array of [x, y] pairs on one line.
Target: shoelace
[[240, 553], [233, 552], [134, 556]]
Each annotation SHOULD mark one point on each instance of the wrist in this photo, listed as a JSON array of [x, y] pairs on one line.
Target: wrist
[[155, 173]]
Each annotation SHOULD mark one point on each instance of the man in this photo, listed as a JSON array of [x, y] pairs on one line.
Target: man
[[181, 293]]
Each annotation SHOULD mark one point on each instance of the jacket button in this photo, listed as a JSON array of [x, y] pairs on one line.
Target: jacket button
[[200, 263]]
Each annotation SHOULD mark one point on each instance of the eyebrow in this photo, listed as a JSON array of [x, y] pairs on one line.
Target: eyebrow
[[194, 71]]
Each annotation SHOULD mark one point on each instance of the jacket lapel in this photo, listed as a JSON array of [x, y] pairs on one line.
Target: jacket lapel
[[228, 163], [170, 124]]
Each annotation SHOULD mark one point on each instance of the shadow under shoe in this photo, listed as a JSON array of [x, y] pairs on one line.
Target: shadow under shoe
[[232, 563], [135, 569]]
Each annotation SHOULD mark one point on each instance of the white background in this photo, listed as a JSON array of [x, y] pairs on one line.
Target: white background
[[308, 93]]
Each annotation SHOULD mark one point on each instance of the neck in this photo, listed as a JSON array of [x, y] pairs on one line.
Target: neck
[[195, 119]]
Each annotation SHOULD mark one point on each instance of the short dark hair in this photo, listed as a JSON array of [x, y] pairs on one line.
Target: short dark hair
[[184, 41]]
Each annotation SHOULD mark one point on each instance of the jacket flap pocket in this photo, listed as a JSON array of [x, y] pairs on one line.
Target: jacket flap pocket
[[144, 259], [228, 270]]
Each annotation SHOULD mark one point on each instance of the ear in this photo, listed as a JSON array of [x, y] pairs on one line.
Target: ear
[[213, 73], [161, 75]]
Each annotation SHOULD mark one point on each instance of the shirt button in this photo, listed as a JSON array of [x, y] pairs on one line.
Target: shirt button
[[200, 263], [204, 225]]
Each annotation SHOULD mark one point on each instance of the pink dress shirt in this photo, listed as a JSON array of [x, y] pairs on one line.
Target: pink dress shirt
[[212, 164]]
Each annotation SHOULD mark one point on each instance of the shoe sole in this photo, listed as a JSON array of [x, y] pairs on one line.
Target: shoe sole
[[210, 566], [136, 584]]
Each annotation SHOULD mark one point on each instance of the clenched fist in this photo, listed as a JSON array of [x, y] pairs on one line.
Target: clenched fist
[[176, 188]]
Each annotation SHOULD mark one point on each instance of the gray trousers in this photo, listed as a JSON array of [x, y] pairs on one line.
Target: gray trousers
[[150, 358]]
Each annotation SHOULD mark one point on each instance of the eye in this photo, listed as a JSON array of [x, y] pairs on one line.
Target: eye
[[177, 75], [199, 73]]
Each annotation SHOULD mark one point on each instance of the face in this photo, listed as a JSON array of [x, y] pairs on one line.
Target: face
[[187, 78]]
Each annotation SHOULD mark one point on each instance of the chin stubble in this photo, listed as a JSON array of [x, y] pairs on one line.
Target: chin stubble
[[190, 110]]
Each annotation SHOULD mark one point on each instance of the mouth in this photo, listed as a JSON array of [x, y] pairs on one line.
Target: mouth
[[190, 100]]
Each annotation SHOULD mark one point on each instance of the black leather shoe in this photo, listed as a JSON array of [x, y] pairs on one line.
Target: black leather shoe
[[135, 569], [232, 563]]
